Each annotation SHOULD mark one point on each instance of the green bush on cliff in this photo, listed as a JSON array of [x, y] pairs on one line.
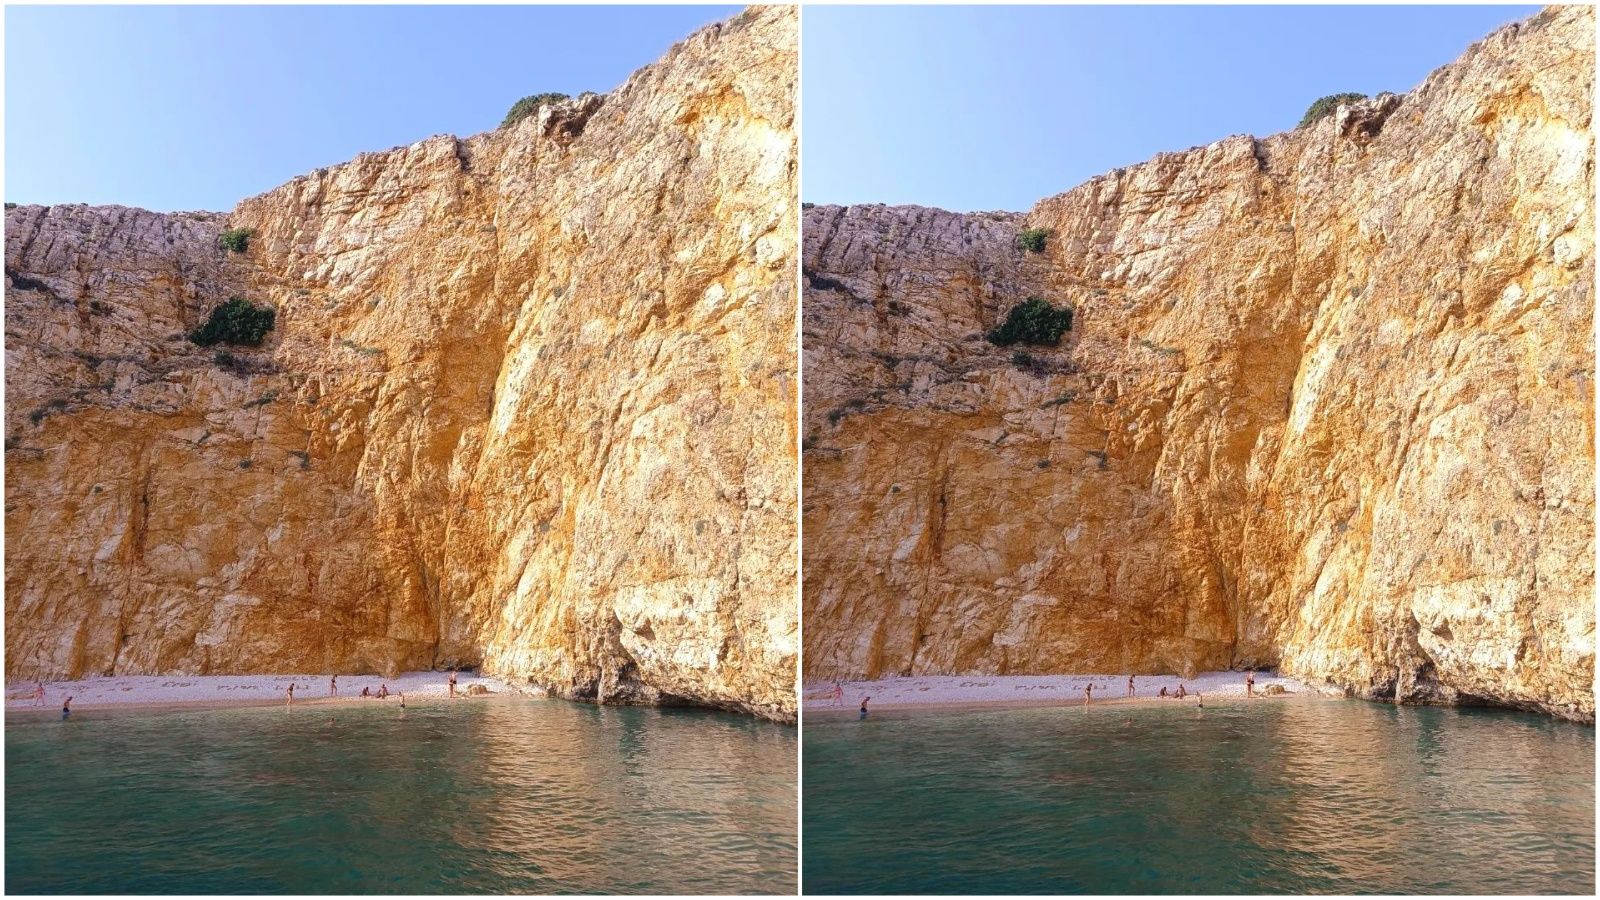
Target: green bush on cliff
[[237, 321], [236, 239], [1325, 106], [527, 106], [1033, 321], [1032, 240]]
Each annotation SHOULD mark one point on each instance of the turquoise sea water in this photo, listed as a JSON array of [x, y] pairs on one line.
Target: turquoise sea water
[[1298, 796], [503, 796]]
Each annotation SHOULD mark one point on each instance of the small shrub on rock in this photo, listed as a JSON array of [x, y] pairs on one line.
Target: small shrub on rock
[[1033, 321], [1325, 107], [236, 240], [1033, 239], [237, 321], [527, 106]]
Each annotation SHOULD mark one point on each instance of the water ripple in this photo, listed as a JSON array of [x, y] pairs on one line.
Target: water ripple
[[471, 797], [1281, 797]]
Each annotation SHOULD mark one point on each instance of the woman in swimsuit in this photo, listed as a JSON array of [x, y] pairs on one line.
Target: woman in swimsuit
[[66, 709], [863, 708]]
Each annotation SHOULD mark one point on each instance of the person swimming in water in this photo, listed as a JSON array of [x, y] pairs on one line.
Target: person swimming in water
[[863, 708], [66, 709]]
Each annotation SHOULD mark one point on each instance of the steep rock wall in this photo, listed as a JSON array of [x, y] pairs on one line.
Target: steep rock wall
[[1327, 404], [529, 405]]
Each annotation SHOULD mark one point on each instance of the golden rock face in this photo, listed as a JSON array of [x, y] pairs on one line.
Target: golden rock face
[[529, 405], [1327, 404]]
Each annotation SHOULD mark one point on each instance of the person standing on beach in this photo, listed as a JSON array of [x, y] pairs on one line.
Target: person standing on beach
[[291, 695], [402, 699], [838, 694], [1250, 683], [1130, 686], [452, 682], [863, 708], [66, 709], [38, 693], [333, 686], [1088, 691]]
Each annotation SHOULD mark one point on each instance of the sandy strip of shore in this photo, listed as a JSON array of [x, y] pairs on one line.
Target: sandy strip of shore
[[240, 690], [951, 692]]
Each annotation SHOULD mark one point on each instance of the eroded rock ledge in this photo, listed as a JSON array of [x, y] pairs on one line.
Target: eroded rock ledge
[[529, 406], [1327, 405]]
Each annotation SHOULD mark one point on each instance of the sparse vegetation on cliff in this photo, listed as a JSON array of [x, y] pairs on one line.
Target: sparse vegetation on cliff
[[527, 106], [45, 411], [236, 240], [237, 321], [1033, 239], [1325, 106], [1033, 321], [849, 407]]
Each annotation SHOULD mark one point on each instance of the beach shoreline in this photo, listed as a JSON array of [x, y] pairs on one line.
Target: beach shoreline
[[968, 693], [162, 692]]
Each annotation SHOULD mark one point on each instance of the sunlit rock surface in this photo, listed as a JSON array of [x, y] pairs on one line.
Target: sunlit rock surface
[[529, 405], [1327, 404]]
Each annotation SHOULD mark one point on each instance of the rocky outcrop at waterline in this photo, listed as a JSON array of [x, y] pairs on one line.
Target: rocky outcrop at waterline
[[529, 405], [1327, 404]]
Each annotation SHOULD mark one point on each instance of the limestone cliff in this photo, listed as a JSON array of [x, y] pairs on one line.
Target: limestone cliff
[[529, 405], [1327, 404]]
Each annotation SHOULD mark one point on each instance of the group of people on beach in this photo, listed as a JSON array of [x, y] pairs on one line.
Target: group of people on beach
[[1182, 692], [382, 693]]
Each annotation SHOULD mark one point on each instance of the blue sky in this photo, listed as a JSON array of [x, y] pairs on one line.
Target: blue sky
[[176, 108], [981, 108]]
